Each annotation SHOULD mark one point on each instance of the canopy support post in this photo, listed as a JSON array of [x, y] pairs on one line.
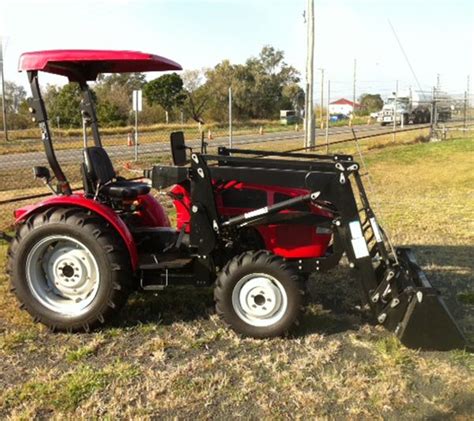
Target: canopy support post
[[88, 112], [38, 110]]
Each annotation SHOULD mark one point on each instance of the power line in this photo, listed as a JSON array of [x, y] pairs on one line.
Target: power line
[[354, 88], [405, 55]]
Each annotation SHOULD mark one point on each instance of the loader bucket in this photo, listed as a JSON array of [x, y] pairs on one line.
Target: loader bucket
[[421, 318]]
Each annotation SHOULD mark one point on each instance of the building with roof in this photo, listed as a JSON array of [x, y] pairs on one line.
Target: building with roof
[[343, 106]]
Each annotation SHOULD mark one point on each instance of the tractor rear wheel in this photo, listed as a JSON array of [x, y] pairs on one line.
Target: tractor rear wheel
[[69, 269], [258, 295]]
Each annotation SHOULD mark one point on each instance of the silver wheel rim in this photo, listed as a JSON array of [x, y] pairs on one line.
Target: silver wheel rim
[[259, 300], [63, 275]]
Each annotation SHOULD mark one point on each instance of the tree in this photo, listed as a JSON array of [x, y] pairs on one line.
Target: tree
[[257, 86], [125, 81], [114, 97], [294, 95], [64, 103], [167, 91], [14, 96], [218, 81], [18, 116], [196, 92], [371, 102], [110, 113], [271, 74]]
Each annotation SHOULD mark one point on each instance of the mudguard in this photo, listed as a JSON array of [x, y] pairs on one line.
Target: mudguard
[[78, 200]]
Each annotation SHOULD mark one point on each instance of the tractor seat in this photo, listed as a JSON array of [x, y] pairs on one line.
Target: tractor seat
[[100, 172], [123, 189]]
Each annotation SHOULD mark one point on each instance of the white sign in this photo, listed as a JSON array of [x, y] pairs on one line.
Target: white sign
[[137, 100], [358, 241]]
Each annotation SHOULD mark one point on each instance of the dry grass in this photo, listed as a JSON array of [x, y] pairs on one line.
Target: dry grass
[[170, 357]]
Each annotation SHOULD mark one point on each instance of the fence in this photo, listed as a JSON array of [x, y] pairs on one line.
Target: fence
[[24, 150]]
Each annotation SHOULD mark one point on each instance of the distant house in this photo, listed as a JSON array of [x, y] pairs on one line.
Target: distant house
[[343, 106]]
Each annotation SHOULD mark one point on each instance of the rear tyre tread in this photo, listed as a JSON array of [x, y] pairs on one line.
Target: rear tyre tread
[[106, 237]]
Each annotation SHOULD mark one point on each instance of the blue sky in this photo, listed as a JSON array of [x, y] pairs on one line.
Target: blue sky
[[438, 36]]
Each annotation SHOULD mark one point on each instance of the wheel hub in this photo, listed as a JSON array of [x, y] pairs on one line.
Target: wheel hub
[[71, 271], [63, 274], [259, 299]]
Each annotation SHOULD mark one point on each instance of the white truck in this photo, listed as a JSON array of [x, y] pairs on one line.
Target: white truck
[[414, 107], [406, 106]]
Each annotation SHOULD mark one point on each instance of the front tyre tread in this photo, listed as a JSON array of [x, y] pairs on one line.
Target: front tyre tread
[[262, 262]]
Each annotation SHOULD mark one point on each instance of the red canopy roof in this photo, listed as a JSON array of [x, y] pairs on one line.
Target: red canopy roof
[[87, 64]]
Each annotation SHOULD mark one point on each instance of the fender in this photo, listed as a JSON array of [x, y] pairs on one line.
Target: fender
[[78, 200], [151, 213]]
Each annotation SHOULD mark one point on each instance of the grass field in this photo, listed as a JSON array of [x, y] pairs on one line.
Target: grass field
[[168, 355]]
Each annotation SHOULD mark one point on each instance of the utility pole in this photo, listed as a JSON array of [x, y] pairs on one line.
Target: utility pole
[[310, 139], [433, 114], [4, 105], [327, 116], [321, 123], [465, 110], [395, 109], [137, 103], [354, 89], [230, 117], [468, 105], [438, 82]]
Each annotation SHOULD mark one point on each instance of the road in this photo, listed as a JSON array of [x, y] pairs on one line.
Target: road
[[124, 153]]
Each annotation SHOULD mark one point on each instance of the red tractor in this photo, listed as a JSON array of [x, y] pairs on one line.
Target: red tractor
[[252, 224]]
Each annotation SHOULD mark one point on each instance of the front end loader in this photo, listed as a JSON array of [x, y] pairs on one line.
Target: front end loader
[[391, 282]]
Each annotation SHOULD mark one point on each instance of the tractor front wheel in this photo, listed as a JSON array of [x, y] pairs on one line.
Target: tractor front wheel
[[69, 269], [258, 295]]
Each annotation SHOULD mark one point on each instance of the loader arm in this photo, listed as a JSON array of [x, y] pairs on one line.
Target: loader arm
[[391, 283]]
